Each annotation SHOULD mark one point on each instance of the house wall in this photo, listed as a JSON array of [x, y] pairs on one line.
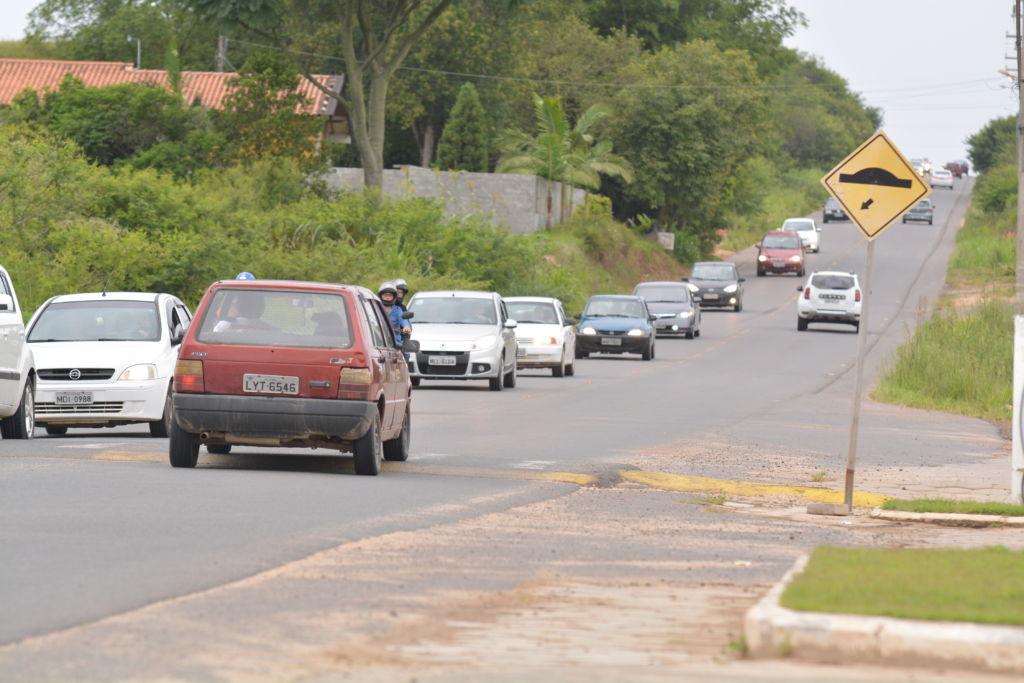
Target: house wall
[[516, 202]]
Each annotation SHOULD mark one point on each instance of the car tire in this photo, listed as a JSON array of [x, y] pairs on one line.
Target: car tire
[[368, 450], [689, 334], [496, 383], [570, 370], [22, 423], [904, 221], [738, 307], [159, 428], [415, 381], [801, 273], [801, 325], [929, 222], [183, 447], [509, 380], [56, 430], [397, 449], [218, 448], [760, 273], [559, 370], [648, 353], [856, 327]]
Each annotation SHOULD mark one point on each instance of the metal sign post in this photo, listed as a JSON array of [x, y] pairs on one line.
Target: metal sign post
[[875, 185]]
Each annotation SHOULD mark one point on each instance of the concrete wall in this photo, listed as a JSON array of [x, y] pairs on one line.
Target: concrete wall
[[517, 202]]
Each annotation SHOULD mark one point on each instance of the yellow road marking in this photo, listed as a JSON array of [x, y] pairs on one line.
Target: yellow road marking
[[125, 456], [534, 475], [690, 483]]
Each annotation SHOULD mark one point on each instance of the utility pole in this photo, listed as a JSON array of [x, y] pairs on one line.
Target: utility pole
[[138, 51], [222, 52], [1017, 462]]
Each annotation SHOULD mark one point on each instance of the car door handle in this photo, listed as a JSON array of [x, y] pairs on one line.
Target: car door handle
[[319, 384]]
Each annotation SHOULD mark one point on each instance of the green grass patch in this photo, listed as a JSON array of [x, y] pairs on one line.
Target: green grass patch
[[963, 507], [984, 585], [957, 362]]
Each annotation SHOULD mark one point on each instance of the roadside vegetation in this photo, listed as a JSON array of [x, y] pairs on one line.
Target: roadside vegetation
[[964, 507], [961, 360], [981, 585]]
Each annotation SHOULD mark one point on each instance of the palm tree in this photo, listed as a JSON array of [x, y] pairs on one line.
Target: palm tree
[[564, 154]]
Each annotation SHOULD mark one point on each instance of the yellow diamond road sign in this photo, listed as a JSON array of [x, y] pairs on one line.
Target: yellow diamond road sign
[[875, 185]]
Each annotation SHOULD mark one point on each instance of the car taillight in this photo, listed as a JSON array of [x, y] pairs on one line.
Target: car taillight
[[354, 383], [188, 376], [807, 293], [856, 295]]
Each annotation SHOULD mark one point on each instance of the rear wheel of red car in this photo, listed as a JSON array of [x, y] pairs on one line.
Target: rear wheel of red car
[[184, 447], [369, 450], [218, 448], [397, 450]]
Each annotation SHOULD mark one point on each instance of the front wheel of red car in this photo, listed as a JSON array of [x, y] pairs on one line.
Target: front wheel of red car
[[184, 447], [369, 450], [397, 450]]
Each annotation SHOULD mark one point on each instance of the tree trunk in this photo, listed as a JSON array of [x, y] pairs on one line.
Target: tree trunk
[[425, 138], [547, 223], [377, 125]]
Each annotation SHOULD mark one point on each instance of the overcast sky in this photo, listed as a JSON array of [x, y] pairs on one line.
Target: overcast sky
[[931, 65]]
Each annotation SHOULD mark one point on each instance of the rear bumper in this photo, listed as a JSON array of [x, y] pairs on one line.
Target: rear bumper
[[264, 420], [830, 316]]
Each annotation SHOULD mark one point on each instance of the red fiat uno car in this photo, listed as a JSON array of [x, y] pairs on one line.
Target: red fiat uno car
[[277, 363]]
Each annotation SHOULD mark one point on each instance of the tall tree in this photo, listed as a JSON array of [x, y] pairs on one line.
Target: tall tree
[[569, 154], [374, 37], [464, 141]]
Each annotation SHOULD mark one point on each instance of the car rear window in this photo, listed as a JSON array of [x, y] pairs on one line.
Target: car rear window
[[832, 281], [781, 242], [260, 317]]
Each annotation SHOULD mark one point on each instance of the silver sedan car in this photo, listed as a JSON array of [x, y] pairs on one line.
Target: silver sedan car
[[463, 335]]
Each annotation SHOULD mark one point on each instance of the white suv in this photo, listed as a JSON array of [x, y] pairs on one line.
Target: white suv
[[106, 359], [829, 297], [17, 370]]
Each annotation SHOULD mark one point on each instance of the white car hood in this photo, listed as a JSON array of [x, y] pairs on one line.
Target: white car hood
[[539, 331], [117, 355], [441, 337]]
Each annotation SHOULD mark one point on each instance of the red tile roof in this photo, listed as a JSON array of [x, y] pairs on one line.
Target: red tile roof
[[209, 88]]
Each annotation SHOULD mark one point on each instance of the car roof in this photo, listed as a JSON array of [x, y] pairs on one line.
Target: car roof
[[714, 263], [798, 218], [832, 272], [663, 283], [531, 299], [109, 296], [289, 284], [780, 233], [464, 293], [629, 297]]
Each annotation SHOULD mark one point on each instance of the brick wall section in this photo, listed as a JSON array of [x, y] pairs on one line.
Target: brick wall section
[[515, 202]]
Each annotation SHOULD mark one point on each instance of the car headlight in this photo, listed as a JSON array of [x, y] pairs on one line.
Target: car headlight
[[588, 330], [635, 333], [134, 373], [485, 342], [693, 288], [730, 289], [762, 258], [796, 258], [685, 314]]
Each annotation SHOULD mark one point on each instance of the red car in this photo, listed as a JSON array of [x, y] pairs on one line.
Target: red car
[[780, 251], [295, 364]]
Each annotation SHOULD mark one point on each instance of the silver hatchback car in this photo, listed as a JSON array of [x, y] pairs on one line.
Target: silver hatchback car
[[463, 335]]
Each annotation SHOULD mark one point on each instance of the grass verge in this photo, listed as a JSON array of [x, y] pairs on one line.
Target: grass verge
[[982, 585], [963, 507]]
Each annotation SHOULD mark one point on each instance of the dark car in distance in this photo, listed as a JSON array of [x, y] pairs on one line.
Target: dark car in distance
[[833, 211], [780, 251], [675, 309], [718, 284], [615, 323], [923, 211]]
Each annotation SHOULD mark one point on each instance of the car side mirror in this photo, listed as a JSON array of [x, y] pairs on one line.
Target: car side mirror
[[569, 322], [410, 346], [6, 302], [408, 315], [800, 288], [685, 279], [651, 318], [818, 229], [698, 299], [510, 324], [177, 334]]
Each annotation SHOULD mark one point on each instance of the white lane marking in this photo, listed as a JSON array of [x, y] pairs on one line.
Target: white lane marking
[[534, 464], [94, 446], [432, 456]]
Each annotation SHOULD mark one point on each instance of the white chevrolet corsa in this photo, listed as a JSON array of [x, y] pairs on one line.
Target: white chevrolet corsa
[[544, 333], [810, 233], [106, 359]]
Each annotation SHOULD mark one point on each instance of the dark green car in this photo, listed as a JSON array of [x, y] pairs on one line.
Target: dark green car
[[922, 211]]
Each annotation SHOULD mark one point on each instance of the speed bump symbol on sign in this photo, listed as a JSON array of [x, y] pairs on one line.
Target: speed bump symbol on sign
[[875, 185]]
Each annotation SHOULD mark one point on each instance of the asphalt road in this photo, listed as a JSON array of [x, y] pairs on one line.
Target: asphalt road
[[97, 523]]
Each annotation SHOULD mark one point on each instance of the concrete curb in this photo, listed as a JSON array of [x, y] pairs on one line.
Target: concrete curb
[[774, 631], [948, 518]]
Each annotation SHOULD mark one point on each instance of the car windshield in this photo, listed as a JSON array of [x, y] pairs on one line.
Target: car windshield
[[262, 317], [104, 320], [676, 294], [614, 308], [831, 203], [801, 226], [540, 312], [454, 310], [781, 242], [832, 281], [713, 272]]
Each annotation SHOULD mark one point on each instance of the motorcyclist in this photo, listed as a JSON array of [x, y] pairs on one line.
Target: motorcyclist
[[403, 290], [245, 275], [399, 327]]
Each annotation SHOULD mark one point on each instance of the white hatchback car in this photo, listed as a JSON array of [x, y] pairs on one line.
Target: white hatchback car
[[544, 333], [463, 335], [810, 233], [829, 297], [17, 370], [940, 177], [106, 359]]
